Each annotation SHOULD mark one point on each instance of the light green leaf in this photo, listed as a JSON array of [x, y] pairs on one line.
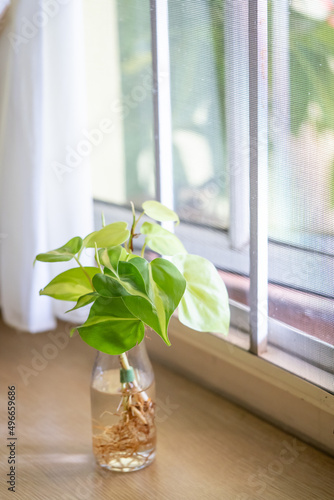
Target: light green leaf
[[71, 284], [84, 300], [204, 306], [109, 236], [160, 240], [159, 212], [62, 254], [111, 328]]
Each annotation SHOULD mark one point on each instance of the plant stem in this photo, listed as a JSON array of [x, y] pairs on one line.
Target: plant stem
[[97, 259], [124, 361], [125, 399], [133, 227], [141, 215], [85, 273], [125, 364], [143, 250]]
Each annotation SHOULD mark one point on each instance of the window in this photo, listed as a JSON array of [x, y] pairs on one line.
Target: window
[[239, 138]]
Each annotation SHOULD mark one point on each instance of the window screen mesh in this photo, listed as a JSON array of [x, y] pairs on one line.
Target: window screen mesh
[[198, 111], [119, 74], [301, 164]]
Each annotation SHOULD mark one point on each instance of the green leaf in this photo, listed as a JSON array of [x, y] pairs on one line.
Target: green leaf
[[71, 284], [166, 288], [130, 256], [133, 279], [160, 240], [135, 275], [110, 257], [62, 254], [151, 292], [111, 328], [84, 300], [108, 286], [204, 306], [109, 236], [132, 288], [146, 311], [169, 287], [159, 212]]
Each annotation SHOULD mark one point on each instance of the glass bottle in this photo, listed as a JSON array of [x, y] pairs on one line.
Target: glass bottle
[[122, 404]]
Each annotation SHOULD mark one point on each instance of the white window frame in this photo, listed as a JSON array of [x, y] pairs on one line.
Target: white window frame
[[256, 265], [256, 384]]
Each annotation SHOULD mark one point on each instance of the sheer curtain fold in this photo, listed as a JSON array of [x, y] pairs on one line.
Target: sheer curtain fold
[[42, 113]]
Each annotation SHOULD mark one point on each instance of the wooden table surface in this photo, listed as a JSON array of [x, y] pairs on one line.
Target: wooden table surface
[[208, 448]]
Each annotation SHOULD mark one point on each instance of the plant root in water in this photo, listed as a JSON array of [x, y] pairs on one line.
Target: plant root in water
[[132, 436]]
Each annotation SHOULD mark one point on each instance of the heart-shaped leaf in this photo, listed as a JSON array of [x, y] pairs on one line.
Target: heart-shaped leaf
[[111, 328], [109, 236], [159, 212], [160, 240], [62, 254], [204, 306], [71, 284]]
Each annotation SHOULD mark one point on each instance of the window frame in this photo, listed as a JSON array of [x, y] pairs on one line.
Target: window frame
[[248, 353], [258, 321]]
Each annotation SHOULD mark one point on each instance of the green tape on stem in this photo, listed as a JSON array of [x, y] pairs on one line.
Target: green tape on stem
[[127, 375]]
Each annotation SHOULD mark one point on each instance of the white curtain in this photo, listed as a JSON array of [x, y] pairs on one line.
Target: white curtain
[[45, 196]]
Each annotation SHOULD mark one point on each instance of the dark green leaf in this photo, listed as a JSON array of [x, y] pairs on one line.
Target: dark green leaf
[[166, 287], [135, 275], [133, 279], [108, 286], [169, 287], [111, 328], [147, 312], [151, 292]]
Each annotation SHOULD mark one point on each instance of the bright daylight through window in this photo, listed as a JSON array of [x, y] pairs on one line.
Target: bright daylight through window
[[204, 48]]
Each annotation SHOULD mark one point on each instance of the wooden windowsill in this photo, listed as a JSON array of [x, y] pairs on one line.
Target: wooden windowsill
[[208, 448]]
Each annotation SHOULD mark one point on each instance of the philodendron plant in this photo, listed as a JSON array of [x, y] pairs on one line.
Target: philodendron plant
[[129, 292]]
